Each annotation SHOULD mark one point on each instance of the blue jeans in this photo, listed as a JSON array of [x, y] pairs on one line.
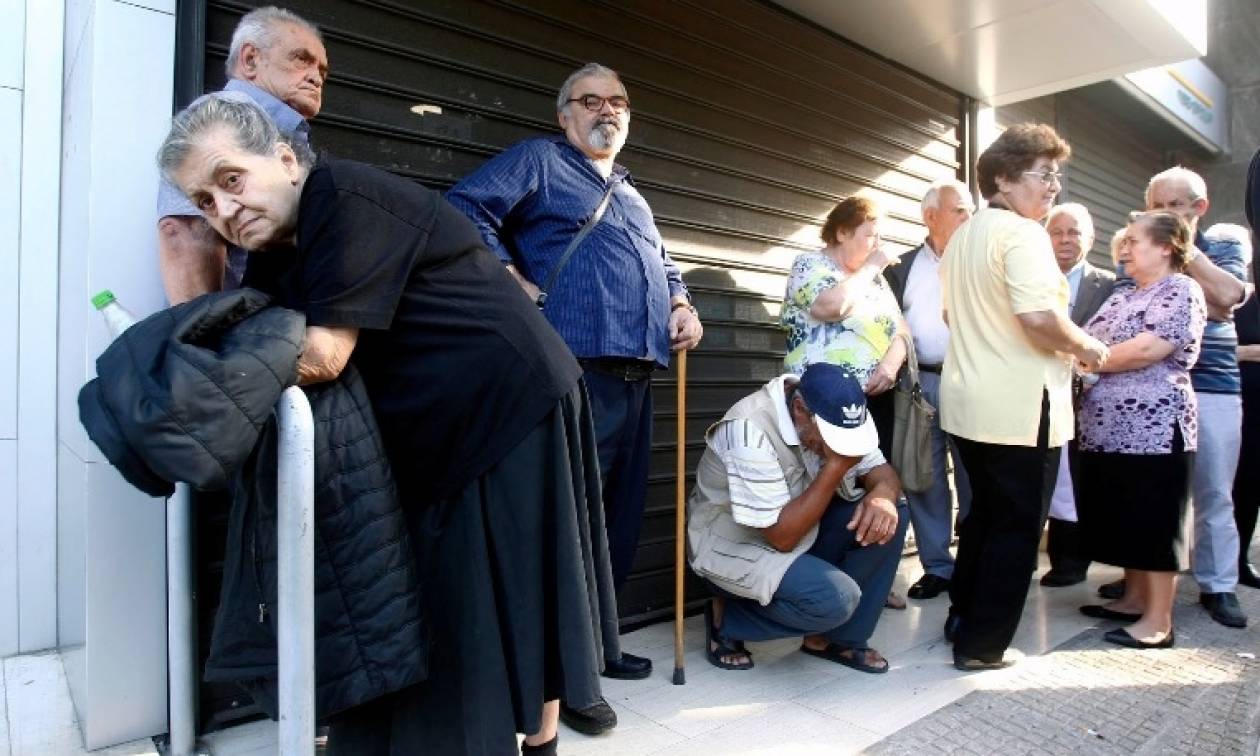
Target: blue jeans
[[837, 589], [931, 511]]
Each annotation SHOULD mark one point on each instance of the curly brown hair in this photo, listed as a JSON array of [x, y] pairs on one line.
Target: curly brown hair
[[847, 216], [1015, 151], [1167, 230]]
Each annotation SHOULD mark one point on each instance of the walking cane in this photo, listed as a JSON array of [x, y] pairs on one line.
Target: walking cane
[[680, 519]]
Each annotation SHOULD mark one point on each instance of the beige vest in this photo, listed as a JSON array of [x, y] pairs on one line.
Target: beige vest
[[734, 557]]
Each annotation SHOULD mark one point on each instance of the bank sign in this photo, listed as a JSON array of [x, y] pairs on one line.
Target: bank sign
[[1190, 96]]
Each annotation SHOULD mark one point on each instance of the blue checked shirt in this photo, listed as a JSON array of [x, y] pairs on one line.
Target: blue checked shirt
[[612, 299]]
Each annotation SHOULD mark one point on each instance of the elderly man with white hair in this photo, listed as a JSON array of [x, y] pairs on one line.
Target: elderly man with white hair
[[1221, 271], [1071, 232], [916, 284], [277, 61]]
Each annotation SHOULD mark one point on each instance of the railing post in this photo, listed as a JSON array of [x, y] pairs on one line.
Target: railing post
[[295, 611], [181, 628]]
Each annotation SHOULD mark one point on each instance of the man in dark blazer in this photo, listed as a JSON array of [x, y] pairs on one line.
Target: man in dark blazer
[[1071, 232], [916, 284]]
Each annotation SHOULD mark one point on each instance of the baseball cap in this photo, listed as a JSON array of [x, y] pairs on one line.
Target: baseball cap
[[838, 402]]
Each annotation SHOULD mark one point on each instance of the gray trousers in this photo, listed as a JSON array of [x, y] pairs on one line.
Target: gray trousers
[[1215, 556], [837, 589], [931, 512]]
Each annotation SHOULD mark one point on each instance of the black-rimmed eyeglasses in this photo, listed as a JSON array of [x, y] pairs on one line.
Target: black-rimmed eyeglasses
[[595, 103]]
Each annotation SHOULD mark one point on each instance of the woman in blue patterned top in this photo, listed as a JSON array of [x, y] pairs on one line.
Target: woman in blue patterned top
[[839, 309]]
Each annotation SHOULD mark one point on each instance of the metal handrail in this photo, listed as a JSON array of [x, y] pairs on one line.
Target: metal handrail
[[295, 609], [181, 626]]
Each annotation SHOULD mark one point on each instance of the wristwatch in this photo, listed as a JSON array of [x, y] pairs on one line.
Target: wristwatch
[[688, 305]]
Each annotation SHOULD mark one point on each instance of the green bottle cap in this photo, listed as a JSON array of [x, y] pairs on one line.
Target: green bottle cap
[[105, 297]]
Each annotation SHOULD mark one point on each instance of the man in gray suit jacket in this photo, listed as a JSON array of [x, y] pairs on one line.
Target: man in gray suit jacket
[[1072, 234]]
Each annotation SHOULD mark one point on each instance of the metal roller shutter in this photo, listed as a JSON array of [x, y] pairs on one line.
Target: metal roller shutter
[[749, 124], [1108, 172]]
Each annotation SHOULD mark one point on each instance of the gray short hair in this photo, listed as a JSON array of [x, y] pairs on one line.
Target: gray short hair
[[1077, 211], [251, 128], [258, 28], [1193, 181], [932, 198], [590, 69]]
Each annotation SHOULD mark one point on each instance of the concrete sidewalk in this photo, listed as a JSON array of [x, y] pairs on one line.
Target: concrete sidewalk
[[1090, 696], [1070, 693]]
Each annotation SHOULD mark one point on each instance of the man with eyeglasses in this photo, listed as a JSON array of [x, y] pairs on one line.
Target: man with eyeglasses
[[1222, 273], [616, 298], [1071, 230]]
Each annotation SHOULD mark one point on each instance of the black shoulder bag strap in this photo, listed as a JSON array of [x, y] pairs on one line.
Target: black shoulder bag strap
[[573, 245]]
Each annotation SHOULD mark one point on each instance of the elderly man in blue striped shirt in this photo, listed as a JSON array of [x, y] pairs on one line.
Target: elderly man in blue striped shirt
[[570, 226], [796, 522]]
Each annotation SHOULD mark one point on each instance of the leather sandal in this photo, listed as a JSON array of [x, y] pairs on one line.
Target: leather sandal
[[724, 648]]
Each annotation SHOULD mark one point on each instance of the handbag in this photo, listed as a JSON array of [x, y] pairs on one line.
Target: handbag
[[573, 245], [912, 427]]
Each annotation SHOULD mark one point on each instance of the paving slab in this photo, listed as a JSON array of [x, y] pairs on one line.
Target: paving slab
[[1092, 697]]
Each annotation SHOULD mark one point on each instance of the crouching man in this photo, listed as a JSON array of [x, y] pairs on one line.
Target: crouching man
[[796, 522]]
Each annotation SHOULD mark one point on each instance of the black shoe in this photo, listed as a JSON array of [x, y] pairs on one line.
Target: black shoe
[[1121, 637], [592, 720], [965, 664], [628, 667], [928, 587], [1060, 579], [1224, 608], [1112, 591], [952, 623], [1102, 612], [1247, 575], [546, 749]]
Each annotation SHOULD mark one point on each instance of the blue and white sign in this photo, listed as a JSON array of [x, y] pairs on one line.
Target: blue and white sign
[[1190, 96]]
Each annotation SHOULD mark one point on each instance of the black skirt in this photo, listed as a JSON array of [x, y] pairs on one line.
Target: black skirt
[[1131, 506], [519, 595]]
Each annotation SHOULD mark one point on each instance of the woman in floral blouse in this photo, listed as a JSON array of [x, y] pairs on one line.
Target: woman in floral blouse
[[838, 308], [1138, 428]]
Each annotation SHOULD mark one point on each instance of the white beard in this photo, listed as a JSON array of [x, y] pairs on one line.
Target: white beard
[[606, 136]]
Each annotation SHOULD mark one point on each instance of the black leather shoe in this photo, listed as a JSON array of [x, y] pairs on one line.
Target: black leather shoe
[[1061, 579], [952, 623], [1121, 637], [965, 664], [1112, 591], [1102, 612], [592, 720], [545, 749], [1224, 608], [628, 667], [928, 587], [1247, 575]]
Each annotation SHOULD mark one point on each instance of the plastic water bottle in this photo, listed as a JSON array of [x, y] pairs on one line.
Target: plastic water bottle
[[117, 318]]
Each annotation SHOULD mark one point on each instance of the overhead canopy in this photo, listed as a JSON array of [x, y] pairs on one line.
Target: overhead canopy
[[1003, 51]]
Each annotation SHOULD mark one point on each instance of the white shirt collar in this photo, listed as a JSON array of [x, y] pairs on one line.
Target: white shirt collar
[[927, 247], [787, 428]]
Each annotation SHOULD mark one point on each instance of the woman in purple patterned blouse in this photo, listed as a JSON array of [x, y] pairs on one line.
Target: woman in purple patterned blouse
[[1138, 428]]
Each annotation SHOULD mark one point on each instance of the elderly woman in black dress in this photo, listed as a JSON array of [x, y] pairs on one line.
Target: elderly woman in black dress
[[1139, 428], [482, 417]]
